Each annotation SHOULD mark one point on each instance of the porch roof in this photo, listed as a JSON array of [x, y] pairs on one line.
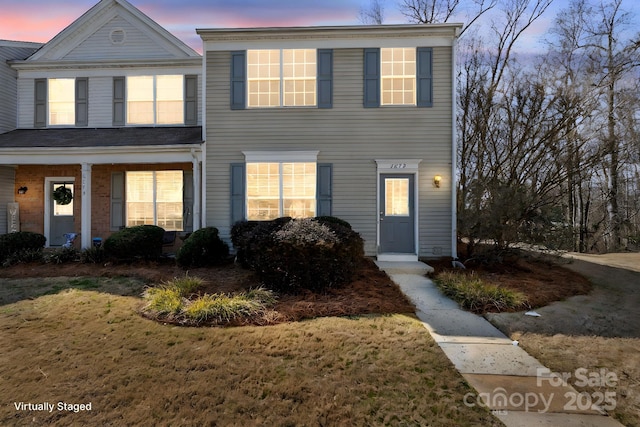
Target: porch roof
[[101, 137]]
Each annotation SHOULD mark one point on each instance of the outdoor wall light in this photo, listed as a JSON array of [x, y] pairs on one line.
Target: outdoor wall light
[[22, 190], [436, 181]]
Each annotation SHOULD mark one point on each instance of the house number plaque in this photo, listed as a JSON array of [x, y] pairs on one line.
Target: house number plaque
[[398, 166]]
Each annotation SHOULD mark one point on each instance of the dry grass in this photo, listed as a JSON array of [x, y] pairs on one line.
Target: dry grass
[[619, 356], [90, 346]]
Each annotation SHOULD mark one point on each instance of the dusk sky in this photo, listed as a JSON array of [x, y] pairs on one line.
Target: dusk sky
[[41, 20]]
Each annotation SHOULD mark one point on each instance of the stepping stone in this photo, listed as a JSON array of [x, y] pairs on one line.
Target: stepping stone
[[491, 359], [528, 394]]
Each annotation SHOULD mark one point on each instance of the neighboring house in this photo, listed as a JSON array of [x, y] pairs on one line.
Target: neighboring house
[[355, 122], [9, 50], [111, 109]]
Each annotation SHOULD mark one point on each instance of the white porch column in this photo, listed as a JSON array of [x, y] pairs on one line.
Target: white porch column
[[85, 230], [197, 191]]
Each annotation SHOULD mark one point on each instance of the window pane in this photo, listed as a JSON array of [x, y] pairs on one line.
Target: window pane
[[140, 100], [398, 76], [64, 210], [299, 76], [169, 99], [265, 181], [263, 70], [62, 101], [396, 196], [155, 198]]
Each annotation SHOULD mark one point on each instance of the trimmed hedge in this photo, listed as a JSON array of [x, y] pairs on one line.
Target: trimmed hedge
[[293, 254], [142, 241], [203, 247], [13, 244]]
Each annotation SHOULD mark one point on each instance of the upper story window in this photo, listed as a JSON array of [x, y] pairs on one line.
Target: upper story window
[[62, 102], [281, 77], [398, 76], [155, 100]]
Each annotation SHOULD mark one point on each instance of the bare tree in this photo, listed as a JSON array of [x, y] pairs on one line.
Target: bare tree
[[612, 57], [373, 13], [439, 11]]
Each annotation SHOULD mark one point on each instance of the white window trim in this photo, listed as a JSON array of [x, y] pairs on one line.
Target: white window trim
[[155, 201], [154, 101], [281, 156]]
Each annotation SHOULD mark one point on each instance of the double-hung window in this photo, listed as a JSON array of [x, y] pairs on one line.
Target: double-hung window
[[278, 189], [155, 100], [281, 78], [398, 76], [62, 102], [154, 198]]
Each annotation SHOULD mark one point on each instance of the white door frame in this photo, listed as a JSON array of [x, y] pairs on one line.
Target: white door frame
[[401, 167], [47, 202]]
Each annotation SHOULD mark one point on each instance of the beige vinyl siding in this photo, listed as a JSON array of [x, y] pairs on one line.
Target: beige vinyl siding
[[9, 85], [349, 136], [7, 188], [138, 45]]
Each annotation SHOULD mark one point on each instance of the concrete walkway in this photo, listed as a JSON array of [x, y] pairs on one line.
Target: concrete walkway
[[513, 385]]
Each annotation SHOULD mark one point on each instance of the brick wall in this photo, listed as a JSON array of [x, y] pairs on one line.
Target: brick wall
[[32, 203]]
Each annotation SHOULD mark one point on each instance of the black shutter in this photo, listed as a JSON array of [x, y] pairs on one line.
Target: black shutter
[[187, 201], [324, 187], [117, 201], [40, 103], [371, 78], [119, 105], [238, 192], [238, 80], [190, 100], [325, 78], [82, 101], [424, 77]]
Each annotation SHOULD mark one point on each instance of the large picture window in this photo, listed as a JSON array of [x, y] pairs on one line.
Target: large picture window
[[281, 189], [281, 77], [155, 100], [398, 76], [62, 102], [155, 198]]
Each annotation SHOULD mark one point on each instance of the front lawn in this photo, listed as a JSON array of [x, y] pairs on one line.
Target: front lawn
[[88, 344]]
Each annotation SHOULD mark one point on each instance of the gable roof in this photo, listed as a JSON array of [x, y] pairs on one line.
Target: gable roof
[[156, 42]]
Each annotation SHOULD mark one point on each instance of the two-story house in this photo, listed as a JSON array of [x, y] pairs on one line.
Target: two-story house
[[355, 122], [110, 109]]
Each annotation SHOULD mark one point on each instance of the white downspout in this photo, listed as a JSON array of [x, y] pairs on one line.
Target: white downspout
[[454, 151], [203, 181]]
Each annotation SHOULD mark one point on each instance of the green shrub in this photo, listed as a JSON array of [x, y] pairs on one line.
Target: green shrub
[[174, 301], [62, 255], [186, 284], [163, 300], [474, 294], [142, 241], [330, 220], [240, 236], [93, 255], [253, 237], [21, 246], [306, 254], [203, 247]]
